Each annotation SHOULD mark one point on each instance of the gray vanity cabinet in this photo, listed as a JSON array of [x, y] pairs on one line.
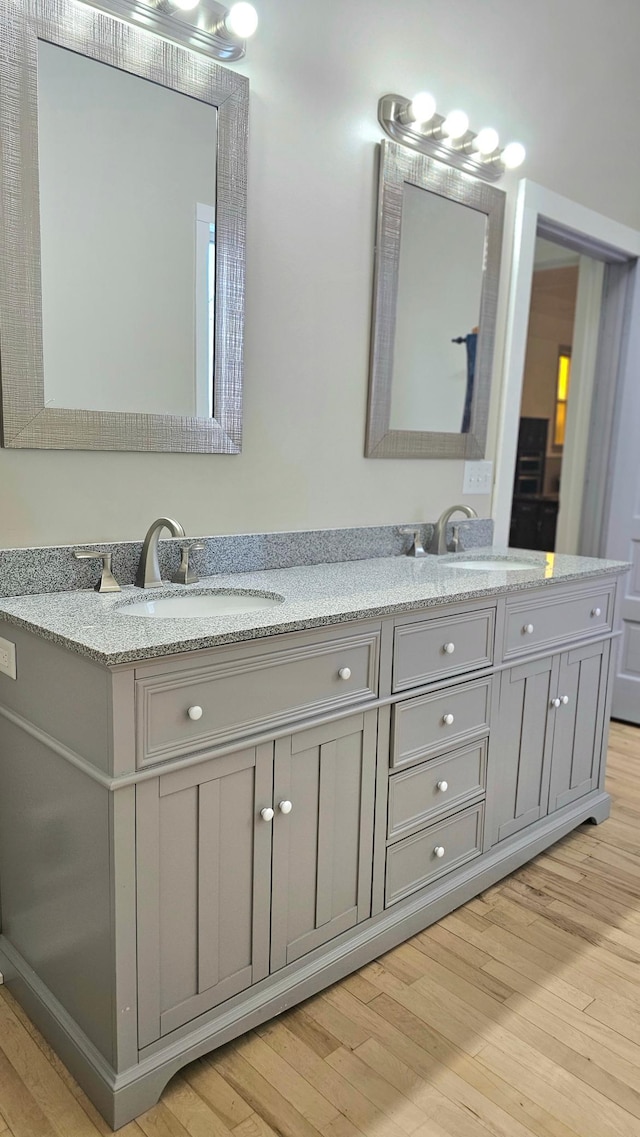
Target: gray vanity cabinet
[[322, 849], [548, 736], [579, 724], [203, 882], [250, 822], [225, 894], [522, 741]]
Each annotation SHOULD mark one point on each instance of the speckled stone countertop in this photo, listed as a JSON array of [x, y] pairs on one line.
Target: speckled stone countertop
[[97, 625]]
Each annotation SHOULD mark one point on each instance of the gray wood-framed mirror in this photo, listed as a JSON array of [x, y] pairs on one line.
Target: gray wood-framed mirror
[[121, 299], [437, 266]]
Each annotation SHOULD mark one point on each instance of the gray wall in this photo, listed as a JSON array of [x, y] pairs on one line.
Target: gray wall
[[316, 75]]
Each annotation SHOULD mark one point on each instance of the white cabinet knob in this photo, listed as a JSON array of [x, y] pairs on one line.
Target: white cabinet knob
[[447, 720], [439, 851], [527, 629], [267, 813], [443, 787], [596, 611], [345, 673], [449, 648], [285, 806], [564, 700], [195, 713], [555, 702]]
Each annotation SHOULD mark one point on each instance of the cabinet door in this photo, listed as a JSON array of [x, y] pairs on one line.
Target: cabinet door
[[204, 857], [322, 848], [520, 747], [579, 724]]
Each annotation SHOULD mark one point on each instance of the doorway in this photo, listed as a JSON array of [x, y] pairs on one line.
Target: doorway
[[556, 399], [606, 475]]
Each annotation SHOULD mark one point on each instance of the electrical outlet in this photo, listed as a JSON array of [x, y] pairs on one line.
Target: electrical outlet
[[8, 659], [478, 477]]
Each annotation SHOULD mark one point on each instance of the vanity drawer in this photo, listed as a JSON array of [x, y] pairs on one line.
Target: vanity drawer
[[419, 795], [427, 650], [429, 724], [242, 694], [536, 625], [414, 862]]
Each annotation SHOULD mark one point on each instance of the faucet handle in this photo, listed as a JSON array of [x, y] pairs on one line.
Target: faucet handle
[[415, 531], [107, 582], [185, 574]]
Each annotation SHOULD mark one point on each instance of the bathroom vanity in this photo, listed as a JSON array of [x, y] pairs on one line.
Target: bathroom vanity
[[204, 822]]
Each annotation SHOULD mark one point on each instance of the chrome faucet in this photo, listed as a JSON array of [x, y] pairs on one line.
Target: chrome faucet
[[148, 575], [439, 539]]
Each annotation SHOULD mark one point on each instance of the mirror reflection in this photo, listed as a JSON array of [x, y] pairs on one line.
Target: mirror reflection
[[437, 268], [127, 217], [438, 311]]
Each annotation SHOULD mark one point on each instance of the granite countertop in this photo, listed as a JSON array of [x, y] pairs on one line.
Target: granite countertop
[[97, 625]]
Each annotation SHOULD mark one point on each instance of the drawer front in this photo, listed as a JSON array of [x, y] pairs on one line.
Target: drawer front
[[428, 725], [240, 696], [419, 795], [414, 863], [539, 624], [447, 645]]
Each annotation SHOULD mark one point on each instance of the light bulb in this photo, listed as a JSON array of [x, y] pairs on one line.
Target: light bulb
[[486, 141], [185, 5], [513, 155], [423, 107], [455, 124], [241, 20]]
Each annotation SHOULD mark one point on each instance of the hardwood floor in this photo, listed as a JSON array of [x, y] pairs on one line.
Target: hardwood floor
[[518, 1014]]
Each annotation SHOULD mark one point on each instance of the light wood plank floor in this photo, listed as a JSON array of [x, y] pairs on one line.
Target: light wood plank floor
[[518, 1014]]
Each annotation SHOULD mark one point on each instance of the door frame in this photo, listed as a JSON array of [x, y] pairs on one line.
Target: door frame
[[542, 212]]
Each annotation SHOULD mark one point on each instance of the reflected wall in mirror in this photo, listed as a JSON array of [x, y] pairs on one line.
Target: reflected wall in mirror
[[438, 245], [122, 248], [439, 292], [127, 169]]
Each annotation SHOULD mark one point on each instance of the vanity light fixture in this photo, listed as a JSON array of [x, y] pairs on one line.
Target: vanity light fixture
[[202, 25], [416, 123]]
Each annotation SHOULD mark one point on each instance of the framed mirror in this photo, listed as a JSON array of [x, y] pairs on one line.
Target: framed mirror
[[437, 265], [122, 236]]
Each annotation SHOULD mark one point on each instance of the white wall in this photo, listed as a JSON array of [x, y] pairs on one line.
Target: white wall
[[559, 76]]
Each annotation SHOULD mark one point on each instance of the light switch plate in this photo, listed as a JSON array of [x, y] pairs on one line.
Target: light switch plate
[[478, 477], [8, 659]]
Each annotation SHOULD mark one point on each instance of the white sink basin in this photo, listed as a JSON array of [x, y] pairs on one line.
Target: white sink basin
[[493, 564], [194, 607]]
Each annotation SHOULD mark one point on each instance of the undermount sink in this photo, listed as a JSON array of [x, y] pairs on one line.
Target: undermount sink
[[193, 607], [493, 564]]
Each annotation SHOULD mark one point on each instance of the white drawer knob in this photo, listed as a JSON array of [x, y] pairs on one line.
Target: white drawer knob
[[285, 806], [443, 787], [555, 702], [439, 851], [449, 648], [195, 713], [267, 813], [528, 629], [345, 673], [564, 700], [596, 611], [447, 720]]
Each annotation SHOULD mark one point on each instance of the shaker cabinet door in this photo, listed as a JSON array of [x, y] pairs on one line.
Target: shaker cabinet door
[[579, 724], [204, 867], [322, 844], [521, 744]]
